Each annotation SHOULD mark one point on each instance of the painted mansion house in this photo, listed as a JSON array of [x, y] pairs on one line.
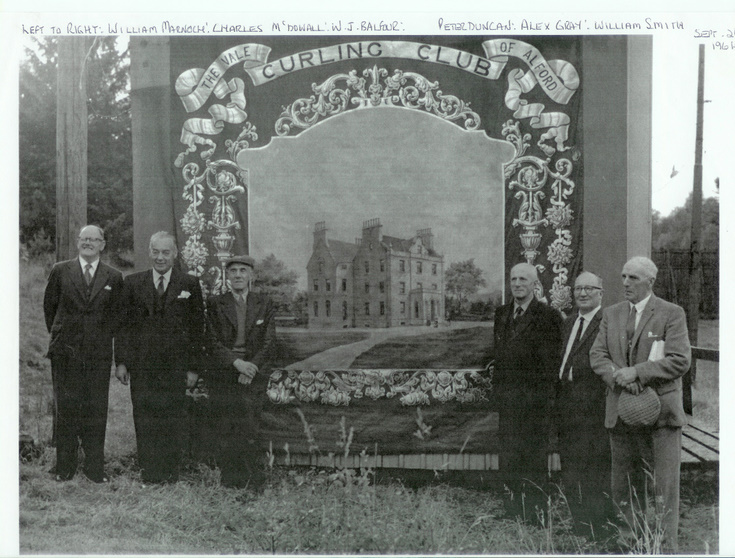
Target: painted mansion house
[[379, 281]]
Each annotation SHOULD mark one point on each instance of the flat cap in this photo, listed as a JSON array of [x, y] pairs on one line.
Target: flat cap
[[246, 260]]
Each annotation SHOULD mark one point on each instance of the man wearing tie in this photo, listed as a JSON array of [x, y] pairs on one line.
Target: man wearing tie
[[159, 353], [643, 341], [580, 404], [81, 308], [527, 348], [241, 338]]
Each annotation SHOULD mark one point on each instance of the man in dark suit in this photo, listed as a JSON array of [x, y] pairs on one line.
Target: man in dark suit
[[580, 404], [159, 353], [81, 307], [527, 345], [241, 335], [643, 341]]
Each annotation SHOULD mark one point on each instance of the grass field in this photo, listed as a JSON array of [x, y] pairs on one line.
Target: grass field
[[301, 510], [463, 348]]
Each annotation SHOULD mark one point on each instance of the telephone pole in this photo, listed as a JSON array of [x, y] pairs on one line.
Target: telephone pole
[[71, 144], [695, 261]]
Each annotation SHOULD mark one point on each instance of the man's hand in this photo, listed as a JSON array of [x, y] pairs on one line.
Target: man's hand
[[191, 379], [635, 388], [247, 371], [121, 373], [625, 376]]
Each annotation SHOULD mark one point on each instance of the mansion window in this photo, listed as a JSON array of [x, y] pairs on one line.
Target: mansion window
[[382, 308], [403, 307], [344, 285], [433, 269], [328, 308], [367, 288], [367, 308], [419, 285], [381, 287], [344, 310], [316, 309], [382, 265], [416, 308], [435, 286], [316, 285], [321, 267], [402, 266], [402, 287], [328, 284], [367, 266], [419, 267]]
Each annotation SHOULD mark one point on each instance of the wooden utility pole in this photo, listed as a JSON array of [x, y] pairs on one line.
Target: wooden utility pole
[[695, 261], [71, 144]]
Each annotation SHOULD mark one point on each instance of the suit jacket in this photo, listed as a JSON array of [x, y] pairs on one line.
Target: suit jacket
[[526, 358], [167, 334], [660, 320], [586, 392], [82, 321], [260, 334]]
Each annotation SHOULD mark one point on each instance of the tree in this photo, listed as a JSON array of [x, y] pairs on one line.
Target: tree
[[674, 231], [271, 276], [109, 156], [37, 141], [463, 279]]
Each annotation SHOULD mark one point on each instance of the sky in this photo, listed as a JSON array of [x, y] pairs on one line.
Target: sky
[[674, 119], [675, 71]]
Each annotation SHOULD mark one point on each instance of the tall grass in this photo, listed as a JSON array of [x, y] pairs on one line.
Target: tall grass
[[302, 510]]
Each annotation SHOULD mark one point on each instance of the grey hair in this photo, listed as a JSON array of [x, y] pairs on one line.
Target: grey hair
[[528, 267], [599, 279], [99, 230], [646, 264], [163, 235]]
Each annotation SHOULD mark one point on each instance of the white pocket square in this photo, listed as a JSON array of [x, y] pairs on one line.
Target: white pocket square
[[184, 294], [108, 288], [651, 334], [259, 322]]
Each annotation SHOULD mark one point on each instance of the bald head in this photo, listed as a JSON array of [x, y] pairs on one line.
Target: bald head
[[523, 279]]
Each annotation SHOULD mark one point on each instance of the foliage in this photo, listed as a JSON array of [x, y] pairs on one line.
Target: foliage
[[463, 279], [271, 276], [109, 152], [674, 231]]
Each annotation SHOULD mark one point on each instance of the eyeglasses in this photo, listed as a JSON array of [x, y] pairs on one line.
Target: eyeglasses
[[88, 239], [587, 290]]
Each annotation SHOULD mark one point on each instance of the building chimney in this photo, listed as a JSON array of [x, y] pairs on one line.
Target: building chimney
[[427, 239], [371, 230], [320, 233]]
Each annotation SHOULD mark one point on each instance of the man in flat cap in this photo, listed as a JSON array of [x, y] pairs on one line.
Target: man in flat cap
[[241, 337]]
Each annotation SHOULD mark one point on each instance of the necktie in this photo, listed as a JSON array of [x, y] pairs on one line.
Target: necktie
[[630, 331], [567, 373], [88, 274], [161, 288], [518, 314]]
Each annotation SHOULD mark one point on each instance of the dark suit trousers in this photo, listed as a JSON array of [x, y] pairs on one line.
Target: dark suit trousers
[[81, 391], [584, 448], [658, 451], [235, 412], [158, 396]]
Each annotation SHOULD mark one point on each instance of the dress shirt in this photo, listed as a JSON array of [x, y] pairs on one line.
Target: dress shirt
[[166, 278], [639, 306], [94, 264], [573, 335], [523, 306]]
